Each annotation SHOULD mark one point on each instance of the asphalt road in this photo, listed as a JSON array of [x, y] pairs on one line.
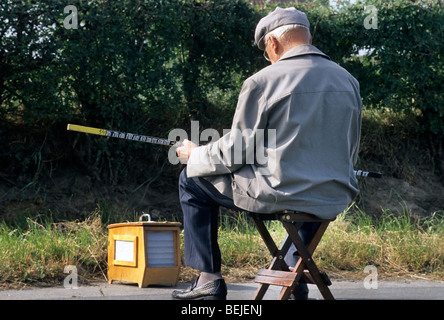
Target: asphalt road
[[341, 290]]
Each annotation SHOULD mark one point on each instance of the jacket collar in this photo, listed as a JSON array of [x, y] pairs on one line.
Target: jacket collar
[[305, 49]]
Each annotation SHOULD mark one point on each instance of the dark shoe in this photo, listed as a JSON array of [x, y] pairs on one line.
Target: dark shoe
[[300, 292], [213, 290]]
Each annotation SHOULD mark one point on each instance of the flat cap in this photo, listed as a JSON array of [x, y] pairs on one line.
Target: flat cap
[[279, 17]]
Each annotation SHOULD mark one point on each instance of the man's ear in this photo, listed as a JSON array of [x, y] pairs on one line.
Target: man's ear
[[274, 43]]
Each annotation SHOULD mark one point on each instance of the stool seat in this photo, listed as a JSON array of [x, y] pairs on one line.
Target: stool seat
[[305, 270]]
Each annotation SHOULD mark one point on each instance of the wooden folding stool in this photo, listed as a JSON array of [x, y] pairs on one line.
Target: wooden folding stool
[[305, 269]]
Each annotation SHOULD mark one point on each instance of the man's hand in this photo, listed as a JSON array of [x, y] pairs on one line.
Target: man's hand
[[184, 151]]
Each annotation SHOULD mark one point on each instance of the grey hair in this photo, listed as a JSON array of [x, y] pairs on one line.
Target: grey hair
[[282, 30]]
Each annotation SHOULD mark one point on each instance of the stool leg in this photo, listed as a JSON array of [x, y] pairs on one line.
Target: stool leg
[[278, 262], [306, 259], [279, 266], [260, 291]]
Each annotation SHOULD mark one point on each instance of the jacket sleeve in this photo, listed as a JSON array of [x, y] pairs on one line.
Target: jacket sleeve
[[235, 148]]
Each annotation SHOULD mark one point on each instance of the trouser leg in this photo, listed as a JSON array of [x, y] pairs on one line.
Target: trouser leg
[[306, 232], [200, 203]]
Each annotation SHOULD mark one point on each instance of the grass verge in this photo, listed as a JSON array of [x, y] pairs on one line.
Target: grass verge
[[398, 245], [38, 253]]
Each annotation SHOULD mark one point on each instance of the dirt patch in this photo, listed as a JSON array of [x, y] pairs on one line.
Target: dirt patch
[[71, 195], [422, 196]]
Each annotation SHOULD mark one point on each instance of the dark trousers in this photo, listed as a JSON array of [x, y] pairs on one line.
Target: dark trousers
[[200, 202]]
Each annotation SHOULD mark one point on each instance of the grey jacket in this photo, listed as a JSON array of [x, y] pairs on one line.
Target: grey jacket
[[293, 141]]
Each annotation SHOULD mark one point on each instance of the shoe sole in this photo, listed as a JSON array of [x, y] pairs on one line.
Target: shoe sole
[[202, 298]]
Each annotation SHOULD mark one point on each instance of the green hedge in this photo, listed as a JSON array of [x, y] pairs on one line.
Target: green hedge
[[151, 66]]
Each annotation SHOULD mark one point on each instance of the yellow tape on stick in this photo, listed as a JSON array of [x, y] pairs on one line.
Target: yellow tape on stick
[[120, 135]]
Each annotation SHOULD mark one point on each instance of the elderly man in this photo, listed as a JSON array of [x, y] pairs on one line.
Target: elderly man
[[304, 113]]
